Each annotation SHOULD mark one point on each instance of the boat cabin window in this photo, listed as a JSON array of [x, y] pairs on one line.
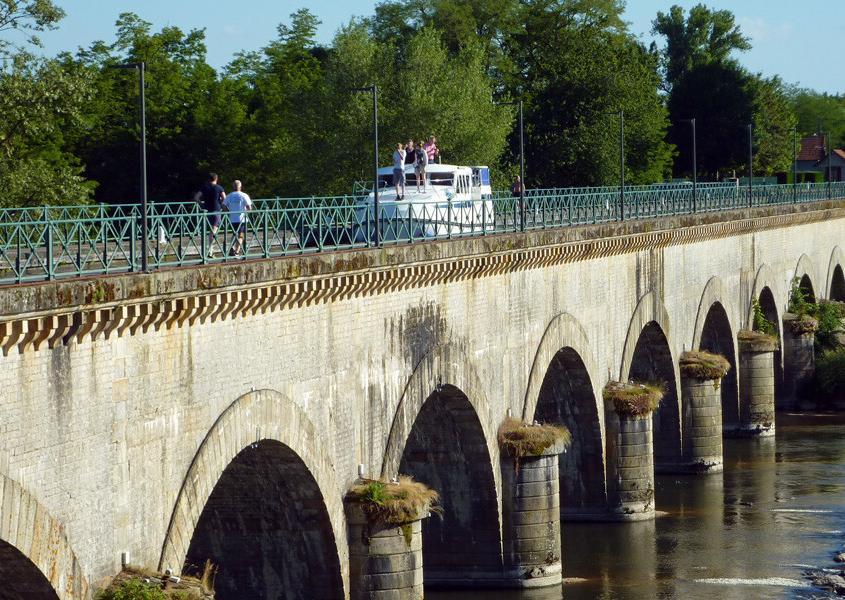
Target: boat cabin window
[[441, 178]]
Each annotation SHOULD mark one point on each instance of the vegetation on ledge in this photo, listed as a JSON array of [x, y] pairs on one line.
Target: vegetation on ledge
[[394, 503], [140, 584], [704, 365], [634, 399], [757, 341], [801, 324], [518, 438]]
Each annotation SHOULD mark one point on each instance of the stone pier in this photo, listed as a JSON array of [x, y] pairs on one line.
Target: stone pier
[[799, 361], [631, 489], [531, 516], [701, 400], [756, 383], [385, 560]]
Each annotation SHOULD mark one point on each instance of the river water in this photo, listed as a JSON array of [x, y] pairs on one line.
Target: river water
[[748, 533]]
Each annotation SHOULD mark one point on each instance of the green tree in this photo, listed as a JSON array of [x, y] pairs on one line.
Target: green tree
[[26, 19], [819, 112], [703, 37], [185, 120], [774, 121], [41, 103], [578, 68], [706, 84]]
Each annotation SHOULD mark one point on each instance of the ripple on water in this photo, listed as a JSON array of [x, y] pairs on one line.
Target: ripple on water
[[766, 581]]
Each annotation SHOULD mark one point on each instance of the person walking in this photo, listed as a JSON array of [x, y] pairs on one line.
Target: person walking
[[399, 171], [420, 163], [238, 203], [212, 196]]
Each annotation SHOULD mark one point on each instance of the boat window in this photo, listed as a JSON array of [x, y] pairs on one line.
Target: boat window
[[441, 179]]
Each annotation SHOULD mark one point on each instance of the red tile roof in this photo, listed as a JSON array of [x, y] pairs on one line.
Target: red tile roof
[[839, 152], [812, 148]]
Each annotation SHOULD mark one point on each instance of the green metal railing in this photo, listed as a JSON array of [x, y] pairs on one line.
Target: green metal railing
[[47, 243]]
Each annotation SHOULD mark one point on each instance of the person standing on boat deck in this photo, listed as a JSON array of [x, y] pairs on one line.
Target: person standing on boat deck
[[410, 157], [420, 163], [430, 148], [213, 196], [238, 203], [399, 171]]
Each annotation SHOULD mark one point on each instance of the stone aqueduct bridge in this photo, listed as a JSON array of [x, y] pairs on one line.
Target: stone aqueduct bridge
[[224, 411]]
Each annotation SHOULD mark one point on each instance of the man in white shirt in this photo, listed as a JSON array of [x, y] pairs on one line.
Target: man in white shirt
[[238, 203], [399, 171]]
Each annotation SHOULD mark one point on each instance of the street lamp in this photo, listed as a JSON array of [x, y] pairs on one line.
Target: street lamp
[[373, 89], [794, 165], [829, 178], [141, 67], [694, 164], [621, 115], [518, 104], [750, 164]]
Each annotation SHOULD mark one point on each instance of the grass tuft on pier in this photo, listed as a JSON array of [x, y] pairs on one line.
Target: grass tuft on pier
[[518, 438], [395, 503], [634, 399], [704, 365]]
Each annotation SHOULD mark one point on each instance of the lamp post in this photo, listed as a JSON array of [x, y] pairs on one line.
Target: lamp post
[[621, 115], [750, 164], [518, 104], [141, 67], [794, 165], [373, 89], [694, 165], [829, 173]]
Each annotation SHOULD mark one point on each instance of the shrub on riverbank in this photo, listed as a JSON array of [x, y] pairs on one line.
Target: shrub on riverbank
[[830, 374]]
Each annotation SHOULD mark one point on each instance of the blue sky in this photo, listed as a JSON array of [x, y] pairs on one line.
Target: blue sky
[[800, 41]]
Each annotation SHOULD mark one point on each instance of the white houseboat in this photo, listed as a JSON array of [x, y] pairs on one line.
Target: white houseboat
[[452, 200]]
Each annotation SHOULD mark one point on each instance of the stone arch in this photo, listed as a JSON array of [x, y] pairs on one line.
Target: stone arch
[[264, 428], [715, 331], [36, 559], [443, 436], [835, 281], [562, 389], [805, 272], [764, 279], [648, 354], [446, 364]]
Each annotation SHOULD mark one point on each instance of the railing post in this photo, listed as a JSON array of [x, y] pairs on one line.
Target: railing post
[[449, 217], [133, 232], [204, 239], [265, 213], [48, 235]]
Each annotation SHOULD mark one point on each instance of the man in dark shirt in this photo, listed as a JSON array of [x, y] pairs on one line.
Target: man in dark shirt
[[212, 201]]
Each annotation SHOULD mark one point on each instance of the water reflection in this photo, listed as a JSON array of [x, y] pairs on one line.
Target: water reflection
[[746, 533]]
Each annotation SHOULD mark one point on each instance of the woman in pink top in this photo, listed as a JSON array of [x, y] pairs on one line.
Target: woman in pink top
[[430, 148]]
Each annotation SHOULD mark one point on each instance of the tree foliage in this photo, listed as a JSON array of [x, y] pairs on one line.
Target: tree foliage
[[286, 120], [702, 37], [816, 112], [705, 83]]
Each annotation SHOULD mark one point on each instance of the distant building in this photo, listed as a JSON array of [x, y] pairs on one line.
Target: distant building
[[811, 161]]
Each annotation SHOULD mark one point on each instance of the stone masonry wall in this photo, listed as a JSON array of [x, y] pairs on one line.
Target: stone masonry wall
[[102, 433]]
